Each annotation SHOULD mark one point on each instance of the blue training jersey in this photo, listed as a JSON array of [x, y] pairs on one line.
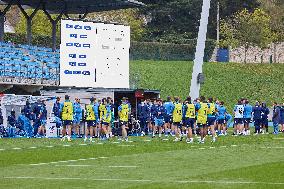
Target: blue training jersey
[[247, 111], [169, 108], [221, 112]]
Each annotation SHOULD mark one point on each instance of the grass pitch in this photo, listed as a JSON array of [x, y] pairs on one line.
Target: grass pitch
[[225, 81], [231, 162]]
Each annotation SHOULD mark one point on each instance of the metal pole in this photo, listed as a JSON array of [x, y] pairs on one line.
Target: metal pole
[[200, 47], [54, 23], [2, 26], [218, 23], [29, 30]]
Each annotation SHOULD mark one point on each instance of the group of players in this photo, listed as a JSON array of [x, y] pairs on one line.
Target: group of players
[[206, 117], [169, 117], [177, 118]]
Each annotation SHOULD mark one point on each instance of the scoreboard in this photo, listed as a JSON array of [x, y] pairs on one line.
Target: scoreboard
[[94, 54]]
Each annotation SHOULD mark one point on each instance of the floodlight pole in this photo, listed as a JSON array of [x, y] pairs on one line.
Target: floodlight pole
[[200, 47]]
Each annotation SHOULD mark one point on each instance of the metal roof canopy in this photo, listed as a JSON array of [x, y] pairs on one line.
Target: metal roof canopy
[[62, 7]]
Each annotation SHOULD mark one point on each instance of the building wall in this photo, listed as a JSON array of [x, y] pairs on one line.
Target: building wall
[[258, 55]]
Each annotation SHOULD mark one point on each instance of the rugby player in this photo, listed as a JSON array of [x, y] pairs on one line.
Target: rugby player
[[202, 111], [238, 118], [247, 116], [169, 108], [123, 113], [77, 110], [177, 119], [91, 117], [67, 118], [189, 114], [211, 117]]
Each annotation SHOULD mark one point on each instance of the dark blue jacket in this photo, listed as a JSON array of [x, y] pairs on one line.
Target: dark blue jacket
[[160, 112], [264, 113], [256, 112], [28, 111], [143, 111], [12, 120]]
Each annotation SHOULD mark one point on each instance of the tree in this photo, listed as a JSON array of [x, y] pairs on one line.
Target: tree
[[42, 26], [129, 17], [247, 29]]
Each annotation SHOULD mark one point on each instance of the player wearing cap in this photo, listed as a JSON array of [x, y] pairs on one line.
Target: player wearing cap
[[77, 110], [177, 119], [202, 109], [123, 113], [91, 117], [67, 118]]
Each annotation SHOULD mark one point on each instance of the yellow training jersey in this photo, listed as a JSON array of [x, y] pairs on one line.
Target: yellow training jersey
[[202, 113], [90, 113], [123, 115], [190, 112], [67, 111], [177, 113], [103, 111], [211, 109]]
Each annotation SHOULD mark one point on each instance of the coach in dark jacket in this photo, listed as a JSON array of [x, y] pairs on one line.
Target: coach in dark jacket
[[276, 117]]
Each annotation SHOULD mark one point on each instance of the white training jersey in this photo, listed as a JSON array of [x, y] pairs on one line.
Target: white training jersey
[[239, 111]]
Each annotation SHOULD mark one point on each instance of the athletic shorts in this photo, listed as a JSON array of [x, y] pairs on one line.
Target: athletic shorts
[[247, 120], [211, 121], [168, 119], [199, 125], [66, 122], [264, 122], [105, 123], [238, 121], [177, 124], [91, 123], [189, 122], [123, 123], [159, 122], [281, 120], [77, 120], [221, 121], [257, 122]]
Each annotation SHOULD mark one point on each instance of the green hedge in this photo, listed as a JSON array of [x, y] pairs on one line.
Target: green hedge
[[138, 50], [168, 51]]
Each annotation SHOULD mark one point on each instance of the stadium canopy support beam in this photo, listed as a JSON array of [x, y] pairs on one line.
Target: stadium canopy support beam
[[200, 47], [2, 21], [29, 19], [80, 17], [53, 24]]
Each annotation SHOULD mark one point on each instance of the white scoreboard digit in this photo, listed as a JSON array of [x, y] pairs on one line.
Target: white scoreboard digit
[[94, 54]]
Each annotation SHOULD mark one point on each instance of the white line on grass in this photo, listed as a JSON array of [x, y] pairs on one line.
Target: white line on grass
[[66, 161], [278, 138], [2, 149], [83, 144], [229, 182], [115, 142], [223, 146], [33, 147], [16, 148], [157, 181], [49, 146], [66, 145], [147, 140], [122, 166], [234, 145], [73, 165], [211, 147], [93, 179], [201, 148]]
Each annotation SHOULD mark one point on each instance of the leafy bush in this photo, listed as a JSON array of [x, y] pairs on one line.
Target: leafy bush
[[168, 51]]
